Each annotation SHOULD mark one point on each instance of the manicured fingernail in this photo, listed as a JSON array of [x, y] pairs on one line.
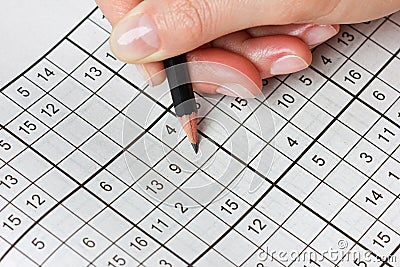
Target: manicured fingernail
[[319, 33], [135, 38], [235, 90], [288, 64]]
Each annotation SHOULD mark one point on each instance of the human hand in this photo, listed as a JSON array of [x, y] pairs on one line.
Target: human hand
[[230, 32]]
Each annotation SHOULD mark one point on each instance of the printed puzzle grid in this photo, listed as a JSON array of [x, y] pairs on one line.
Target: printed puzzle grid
[[334, 181]]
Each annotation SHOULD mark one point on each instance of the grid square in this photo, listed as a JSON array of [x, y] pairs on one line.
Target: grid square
[[327, 60], [56, 184], [107, 186], [133, 206], [98, 18], [237, 108], [148, 149], [332, 98], [71, 93], [128, 168], [13, 148], [373, 198], [49, 111], [358, 254], [138, 243], [122, 130], [312, 119], [79, 166], [31, 165], [380, 95], [143, 111], [366, 157], [23, 92], [115, 256], [385, 135], [207, 226], [353, 220], [104, 54], [232, 243], [88, 36], [27, 127], [386, 40], [299, 182], [84, 205], [219, 126], [12, 182], [186, 244], [347, 40], [389, 73], [118, 92], [388, 176], [46, 244], [75, 130], [106, 218], [88, 242], [68, 63], [46, 75], [339, 138], [371, 48], [277, 206], [92, 74], [160, 93], [368, 27], [359, 117], [391, 216], [100, 148], [346, 179], [53, 147], [96, 111], [306, 82], [22, 260], [15, 223], [325, 201], [67, 256], [352, 77], [304, 225], [8, 110]]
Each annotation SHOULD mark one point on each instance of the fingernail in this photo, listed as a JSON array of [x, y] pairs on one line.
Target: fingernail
[[135, 38], [235, 90], [319, 33], [143, 72], [288, 64]]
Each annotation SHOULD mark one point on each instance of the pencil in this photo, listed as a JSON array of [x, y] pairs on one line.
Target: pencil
[[183, 97]]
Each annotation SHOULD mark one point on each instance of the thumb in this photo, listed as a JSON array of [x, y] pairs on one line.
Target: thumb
[[158, 29]]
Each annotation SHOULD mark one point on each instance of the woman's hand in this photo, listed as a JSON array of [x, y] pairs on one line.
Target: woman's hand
[[259, 38]]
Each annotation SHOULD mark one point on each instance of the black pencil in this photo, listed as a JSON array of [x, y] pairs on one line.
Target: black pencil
[[183, 97]]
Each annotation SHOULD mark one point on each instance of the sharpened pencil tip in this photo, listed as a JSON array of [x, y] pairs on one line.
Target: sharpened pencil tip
[[196, 147]]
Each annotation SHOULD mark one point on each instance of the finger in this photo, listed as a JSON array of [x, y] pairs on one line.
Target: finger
[[155, 30], [272, 55], [311, 34]]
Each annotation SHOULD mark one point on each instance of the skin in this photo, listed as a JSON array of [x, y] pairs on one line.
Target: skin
[[248, 35]]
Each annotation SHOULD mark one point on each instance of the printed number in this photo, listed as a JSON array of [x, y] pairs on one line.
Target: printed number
[[89, 243], [155, 186], [376, 197], [229, 206], [9, 181], [24, 92], [239, 103], [165, 263], [117, 261], [257, 226], [93, 73], [382, 240], [379, 96], [286, 100], [139, 243], [106, 187], [386, 133], [292, 142], [27, 127], [35, 201], [38, 244], [181, 208], [50, 110], [170, 130], [347, 38], [110, 56], [391, 174], [305, 80], [368, 158], [159, 222], [354, 76], [318, 160], [6, 146], [12, 222], [175, 168], [326, 60], [46, 75]]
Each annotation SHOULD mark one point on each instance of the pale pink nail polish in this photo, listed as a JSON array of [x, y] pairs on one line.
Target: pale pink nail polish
[[288, 64], [319, 34], [135, 38]]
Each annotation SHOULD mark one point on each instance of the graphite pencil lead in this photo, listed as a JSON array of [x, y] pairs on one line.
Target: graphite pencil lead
[[196, 147]]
